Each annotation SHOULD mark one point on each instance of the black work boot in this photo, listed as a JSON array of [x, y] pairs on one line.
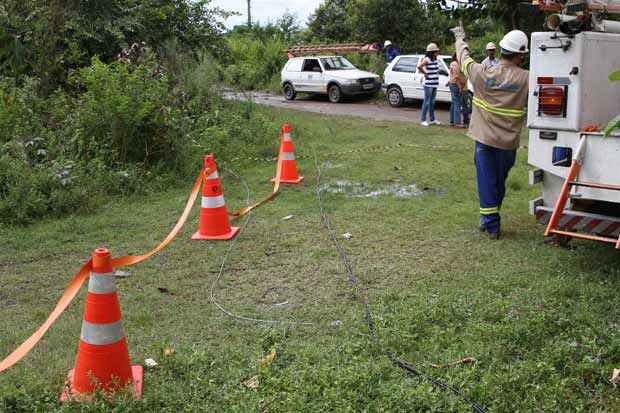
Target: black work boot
[[493, 235]]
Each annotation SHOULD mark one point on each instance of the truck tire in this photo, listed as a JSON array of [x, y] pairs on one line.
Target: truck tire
[[395, 96], [334, 94], [289, 91]]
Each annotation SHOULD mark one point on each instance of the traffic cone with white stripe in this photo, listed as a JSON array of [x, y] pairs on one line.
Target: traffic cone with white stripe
[[102, 361], [213, 222], [289, 173]]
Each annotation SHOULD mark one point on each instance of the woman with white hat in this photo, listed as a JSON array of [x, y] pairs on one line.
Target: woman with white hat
[[429, 66]]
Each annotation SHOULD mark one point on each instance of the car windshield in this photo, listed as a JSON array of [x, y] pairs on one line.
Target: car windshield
[[336, 63]]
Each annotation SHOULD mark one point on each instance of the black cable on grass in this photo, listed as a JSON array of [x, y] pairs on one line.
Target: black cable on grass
[[353, 280], [231, 246]]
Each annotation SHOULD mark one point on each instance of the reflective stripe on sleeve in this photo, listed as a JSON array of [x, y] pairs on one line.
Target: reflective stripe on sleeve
[[512, 113], [101, 334], [213, 201], [101, 283], [465, 65], [288, 156]]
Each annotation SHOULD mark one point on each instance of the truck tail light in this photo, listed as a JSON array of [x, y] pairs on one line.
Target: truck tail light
[[552, 100]]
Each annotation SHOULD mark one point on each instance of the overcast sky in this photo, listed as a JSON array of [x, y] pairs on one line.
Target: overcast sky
[[265, 10]]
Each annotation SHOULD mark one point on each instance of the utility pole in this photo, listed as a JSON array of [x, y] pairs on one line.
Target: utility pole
[[249, 14]]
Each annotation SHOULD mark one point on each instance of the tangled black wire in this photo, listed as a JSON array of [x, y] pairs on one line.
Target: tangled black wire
[[354, 281]]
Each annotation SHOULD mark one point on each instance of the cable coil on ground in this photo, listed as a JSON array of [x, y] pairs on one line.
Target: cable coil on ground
[[353, 281]]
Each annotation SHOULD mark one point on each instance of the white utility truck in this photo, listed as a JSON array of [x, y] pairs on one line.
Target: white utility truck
[[570, 100]]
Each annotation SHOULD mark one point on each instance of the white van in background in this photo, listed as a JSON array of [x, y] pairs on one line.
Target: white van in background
[[403, 81], [331, 75]]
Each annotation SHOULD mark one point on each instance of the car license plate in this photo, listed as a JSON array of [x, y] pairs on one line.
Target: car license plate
[[368, 86]]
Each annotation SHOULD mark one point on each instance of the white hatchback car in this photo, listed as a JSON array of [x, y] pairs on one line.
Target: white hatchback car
[[331, 75], [404, 81]]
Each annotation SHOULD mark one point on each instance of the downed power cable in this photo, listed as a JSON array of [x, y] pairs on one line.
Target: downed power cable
[[229, 251], [354, 281]]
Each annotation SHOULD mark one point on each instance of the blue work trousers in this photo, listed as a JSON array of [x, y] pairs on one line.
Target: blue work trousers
[[492, 167], [455, 108], [428, 106]]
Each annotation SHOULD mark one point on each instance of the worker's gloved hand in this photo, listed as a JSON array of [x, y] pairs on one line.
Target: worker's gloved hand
[[458, 32]]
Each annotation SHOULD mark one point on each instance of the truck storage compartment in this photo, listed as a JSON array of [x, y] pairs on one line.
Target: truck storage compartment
[[602, 164], [568, 80]]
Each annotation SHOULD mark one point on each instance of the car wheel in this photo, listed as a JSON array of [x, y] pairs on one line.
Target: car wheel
[[395, 97], [289, 92], [334, 93]]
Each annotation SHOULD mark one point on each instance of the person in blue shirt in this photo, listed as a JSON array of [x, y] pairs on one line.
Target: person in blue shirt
[[391, 51]]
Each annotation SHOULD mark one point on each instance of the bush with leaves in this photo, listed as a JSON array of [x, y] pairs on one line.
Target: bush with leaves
[[129, 126], [255, 63]]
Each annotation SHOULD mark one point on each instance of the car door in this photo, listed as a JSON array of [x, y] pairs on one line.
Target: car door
[[443, 91], [418, 87], [311, 77], [292, 72], [404, 75]]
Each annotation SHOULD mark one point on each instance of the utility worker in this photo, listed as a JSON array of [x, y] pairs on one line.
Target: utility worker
[[391, 52], [497, 119], [491, 60]]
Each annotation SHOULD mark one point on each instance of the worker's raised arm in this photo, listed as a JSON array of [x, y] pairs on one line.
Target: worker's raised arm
[[469, 67]]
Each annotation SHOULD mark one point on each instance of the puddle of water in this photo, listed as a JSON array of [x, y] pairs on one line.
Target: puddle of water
[[363, 190], [331, 165]]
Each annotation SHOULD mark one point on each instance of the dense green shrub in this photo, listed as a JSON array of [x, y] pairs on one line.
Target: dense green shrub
[[374, 62], [127, 127], [122, 115], [254, 63]]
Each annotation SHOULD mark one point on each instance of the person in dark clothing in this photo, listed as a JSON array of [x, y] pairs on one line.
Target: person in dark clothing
[[390, 51]]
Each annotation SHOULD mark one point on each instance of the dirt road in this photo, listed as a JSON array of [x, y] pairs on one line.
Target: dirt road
[[364, 108]]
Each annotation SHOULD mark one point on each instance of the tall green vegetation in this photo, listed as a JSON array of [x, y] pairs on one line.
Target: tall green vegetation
[[49, 39], [255, 57], [110, 98], [412, 24]]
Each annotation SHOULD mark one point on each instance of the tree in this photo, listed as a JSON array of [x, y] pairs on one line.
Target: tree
[[330, 21], [404, 22], [288, 25], [508, 14], [48, 39]]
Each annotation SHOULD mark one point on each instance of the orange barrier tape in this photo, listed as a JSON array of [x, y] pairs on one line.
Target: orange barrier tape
[[274, 192], [135, 259], [84, 272]]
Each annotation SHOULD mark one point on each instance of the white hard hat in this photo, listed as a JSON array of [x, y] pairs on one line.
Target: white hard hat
[[491, 46], [387, 43], [432, 47], [515, 42]]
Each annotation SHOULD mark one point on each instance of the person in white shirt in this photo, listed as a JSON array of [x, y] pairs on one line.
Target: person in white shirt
[[491, 60]]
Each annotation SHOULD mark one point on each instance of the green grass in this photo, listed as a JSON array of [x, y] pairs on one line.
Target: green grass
[[541, 322]]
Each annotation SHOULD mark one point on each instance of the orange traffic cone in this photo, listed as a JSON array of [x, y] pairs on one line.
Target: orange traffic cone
[[289, 173], [213, 222], [102, 361]]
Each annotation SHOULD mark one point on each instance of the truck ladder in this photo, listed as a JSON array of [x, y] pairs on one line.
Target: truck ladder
[[303, 50], [571, 181]]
